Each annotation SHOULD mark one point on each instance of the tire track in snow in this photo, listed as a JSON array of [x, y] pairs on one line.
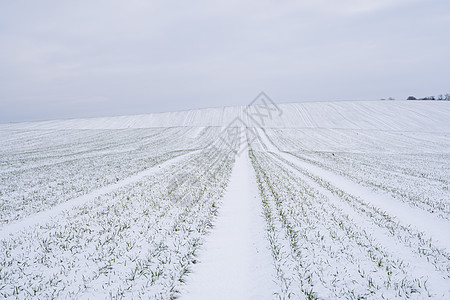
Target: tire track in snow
[[418, 266], [236, 262], [411, 216], [423, 221], [44, 216], [434, 227]]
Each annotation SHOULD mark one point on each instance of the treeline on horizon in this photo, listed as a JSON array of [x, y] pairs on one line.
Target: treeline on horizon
[[441, 97]]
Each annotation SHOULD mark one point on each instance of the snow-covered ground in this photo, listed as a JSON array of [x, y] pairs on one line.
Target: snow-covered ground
[[318, 200], [235, 260], [418, 116]]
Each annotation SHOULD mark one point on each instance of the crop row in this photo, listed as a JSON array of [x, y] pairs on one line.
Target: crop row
[[320, 251], [137, 241], [419, 180], [412, 168], [416, 240], [46, 148], [31, 189], [358, 140]]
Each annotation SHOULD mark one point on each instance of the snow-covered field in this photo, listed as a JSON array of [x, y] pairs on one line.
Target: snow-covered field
[[330, 200]]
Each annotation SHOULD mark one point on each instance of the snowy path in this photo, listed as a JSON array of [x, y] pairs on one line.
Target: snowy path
[[235, 262], [434, 227], [44, 216], [406, 214], [420, 265]]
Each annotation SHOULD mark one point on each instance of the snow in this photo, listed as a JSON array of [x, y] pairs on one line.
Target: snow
[[415, 116], [415, 217], [330, 200], [235, 262], [44, 216]]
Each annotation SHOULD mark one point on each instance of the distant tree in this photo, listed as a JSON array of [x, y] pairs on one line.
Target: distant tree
[[441, 97], [391, 98], [428, 98]]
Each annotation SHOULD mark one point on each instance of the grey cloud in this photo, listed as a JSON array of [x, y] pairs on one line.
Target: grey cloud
[[95, 58]]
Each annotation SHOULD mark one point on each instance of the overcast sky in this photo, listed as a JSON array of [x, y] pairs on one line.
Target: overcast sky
[[65, 59]]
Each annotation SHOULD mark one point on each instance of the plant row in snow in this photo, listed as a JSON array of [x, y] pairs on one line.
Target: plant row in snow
[[137, 241], [60, 177], [320, 251], [420, 180]]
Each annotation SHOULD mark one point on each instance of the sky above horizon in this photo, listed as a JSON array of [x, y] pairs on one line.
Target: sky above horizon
[[74, 59]]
